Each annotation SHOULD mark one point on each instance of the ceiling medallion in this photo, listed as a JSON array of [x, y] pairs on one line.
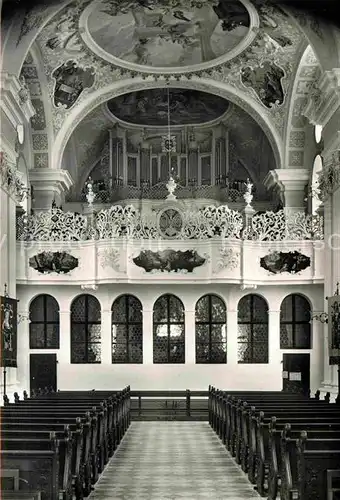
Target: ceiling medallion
[[167, 36]]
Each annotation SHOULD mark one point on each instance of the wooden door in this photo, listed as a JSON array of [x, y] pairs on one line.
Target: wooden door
[[296, 373], [43, 371]]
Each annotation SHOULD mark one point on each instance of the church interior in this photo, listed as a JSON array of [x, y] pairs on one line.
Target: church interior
[[169, 249]]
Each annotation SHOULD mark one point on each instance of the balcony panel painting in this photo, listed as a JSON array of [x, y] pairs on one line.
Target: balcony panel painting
[[53, 262], [285, 262], [169, 261]]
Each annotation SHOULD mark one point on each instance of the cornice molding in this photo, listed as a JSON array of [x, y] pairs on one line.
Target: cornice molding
[[287, 179], [324, 98], [15, 100], [42, 178]]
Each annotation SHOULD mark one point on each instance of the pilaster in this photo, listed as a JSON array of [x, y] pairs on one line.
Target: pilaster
[[23, 346], [106, 337], [232, 334], [328, 273], [64, 353], [275, 356], [190, 337], [319, 354], [290, 183], [48, 186], [324, 99], [335, 252], [148, 336]]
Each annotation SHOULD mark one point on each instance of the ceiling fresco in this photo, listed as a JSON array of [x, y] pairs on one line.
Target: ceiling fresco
[[150, 107], [168, 33]]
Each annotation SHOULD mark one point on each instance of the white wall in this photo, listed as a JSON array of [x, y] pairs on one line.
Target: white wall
[[189, 375]]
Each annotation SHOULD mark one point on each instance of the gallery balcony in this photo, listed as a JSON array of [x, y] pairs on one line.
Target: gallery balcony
[[174, 244]]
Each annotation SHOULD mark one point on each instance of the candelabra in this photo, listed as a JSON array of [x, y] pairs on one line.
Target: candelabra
[[90, 196], [248, 197]]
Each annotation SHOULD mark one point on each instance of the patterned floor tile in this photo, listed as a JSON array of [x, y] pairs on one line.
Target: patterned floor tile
[[172, 461]]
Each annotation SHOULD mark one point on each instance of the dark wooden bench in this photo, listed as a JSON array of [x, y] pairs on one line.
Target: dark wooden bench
[[244, 422], [80, 483], [315, 430], [50, 419], [93, 435], [38, 470], [64, 448], [305, 463]]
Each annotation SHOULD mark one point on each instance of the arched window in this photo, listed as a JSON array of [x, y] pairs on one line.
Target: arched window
[[252, 329], [44, 325], [295, 327], [211, 330], [168, 330], [85, 330], [127, 330]]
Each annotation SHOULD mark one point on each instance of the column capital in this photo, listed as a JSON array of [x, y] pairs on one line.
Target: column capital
[[15, 99], [287, 179], [49, 184], [324, 98], [47, 176], [290, 183]]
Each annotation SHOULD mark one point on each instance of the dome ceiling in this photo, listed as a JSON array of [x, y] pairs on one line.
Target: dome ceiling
[[166, 33], [150, 107]]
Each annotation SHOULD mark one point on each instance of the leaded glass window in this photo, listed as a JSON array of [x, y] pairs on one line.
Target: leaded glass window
[[85, 330], [44, 323], [295, 327], [127, 330], [252, 326], [168, 330], [211, 330]]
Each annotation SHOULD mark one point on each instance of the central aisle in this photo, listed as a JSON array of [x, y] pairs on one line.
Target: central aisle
[[170, 460]]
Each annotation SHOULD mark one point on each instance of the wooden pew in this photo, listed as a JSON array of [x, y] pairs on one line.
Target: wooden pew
[[49, 411], [64, 448], [245, 430], [259, 456], [38, 470], [82, 453], [315, 430], [64, 436], [52, 417], [305, 463]]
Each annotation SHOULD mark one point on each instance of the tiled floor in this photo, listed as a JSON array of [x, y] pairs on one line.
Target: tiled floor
[[172, 460]]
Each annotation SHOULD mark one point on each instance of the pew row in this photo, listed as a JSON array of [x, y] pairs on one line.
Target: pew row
[[82, 432], [266, 433]]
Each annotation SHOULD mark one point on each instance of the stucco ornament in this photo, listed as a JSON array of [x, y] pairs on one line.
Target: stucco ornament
[[228, 259], [127, 222], [110, 257]]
